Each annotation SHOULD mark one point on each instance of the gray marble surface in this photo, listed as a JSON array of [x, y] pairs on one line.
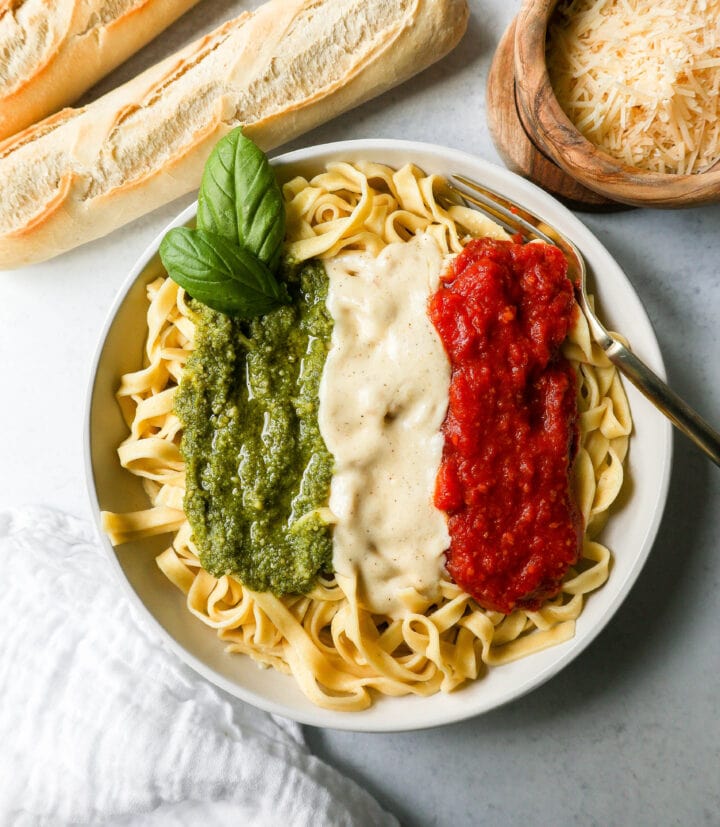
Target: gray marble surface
[[629, 732]]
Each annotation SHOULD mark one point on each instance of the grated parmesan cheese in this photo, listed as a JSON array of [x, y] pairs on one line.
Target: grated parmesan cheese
[[641, 78]]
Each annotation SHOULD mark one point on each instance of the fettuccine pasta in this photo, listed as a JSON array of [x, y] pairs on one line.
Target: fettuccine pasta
[[336, 650]]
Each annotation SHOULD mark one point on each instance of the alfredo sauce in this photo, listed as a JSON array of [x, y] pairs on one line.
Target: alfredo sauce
[[383, 399]]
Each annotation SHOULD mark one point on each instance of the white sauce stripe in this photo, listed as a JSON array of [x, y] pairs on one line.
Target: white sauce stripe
[[383, 399]]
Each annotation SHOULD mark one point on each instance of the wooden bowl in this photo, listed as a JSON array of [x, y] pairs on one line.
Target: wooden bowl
[[515, 145], [554, 133]]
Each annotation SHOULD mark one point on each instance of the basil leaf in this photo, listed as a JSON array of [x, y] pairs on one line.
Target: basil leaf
[[219, 274], [240, 199]]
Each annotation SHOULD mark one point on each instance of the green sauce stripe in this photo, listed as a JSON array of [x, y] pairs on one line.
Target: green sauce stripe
[[258, 471]]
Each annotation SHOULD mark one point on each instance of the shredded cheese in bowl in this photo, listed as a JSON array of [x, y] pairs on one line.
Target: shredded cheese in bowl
[[641, 79]]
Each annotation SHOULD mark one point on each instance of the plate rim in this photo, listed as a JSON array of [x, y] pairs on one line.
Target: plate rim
[[354, 721]]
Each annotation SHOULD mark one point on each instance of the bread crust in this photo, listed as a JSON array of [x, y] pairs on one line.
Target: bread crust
[[61, 49], [278, 71]]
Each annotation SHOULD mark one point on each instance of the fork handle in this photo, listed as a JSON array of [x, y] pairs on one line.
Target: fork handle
[[666, 400]]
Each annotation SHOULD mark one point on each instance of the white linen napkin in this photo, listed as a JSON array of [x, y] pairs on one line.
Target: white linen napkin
[[100, 724]]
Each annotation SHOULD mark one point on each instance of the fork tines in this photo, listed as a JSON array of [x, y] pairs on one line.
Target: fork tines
[[512, 218]]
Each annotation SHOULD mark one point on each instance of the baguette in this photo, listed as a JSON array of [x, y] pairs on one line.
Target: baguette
[[277, 71], [53, 52]]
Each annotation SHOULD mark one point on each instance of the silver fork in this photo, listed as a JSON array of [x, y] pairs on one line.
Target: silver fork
[[516, 219]]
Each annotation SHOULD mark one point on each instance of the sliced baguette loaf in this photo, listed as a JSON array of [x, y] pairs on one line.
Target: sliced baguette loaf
[[52, 52], [278, 71]]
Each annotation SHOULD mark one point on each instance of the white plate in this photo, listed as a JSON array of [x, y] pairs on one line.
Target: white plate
[[630, 532]]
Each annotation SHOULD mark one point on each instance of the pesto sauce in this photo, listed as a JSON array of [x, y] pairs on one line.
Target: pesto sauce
[[257, 467]]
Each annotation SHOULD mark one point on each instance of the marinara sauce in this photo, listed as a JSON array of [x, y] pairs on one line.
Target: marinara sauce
[[511, 429]]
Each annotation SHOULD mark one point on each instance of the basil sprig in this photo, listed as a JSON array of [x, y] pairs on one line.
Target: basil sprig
[[240, 199], [220, 274], [228, 262]]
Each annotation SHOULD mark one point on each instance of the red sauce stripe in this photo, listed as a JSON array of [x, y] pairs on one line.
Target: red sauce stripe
[[511, 429]]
